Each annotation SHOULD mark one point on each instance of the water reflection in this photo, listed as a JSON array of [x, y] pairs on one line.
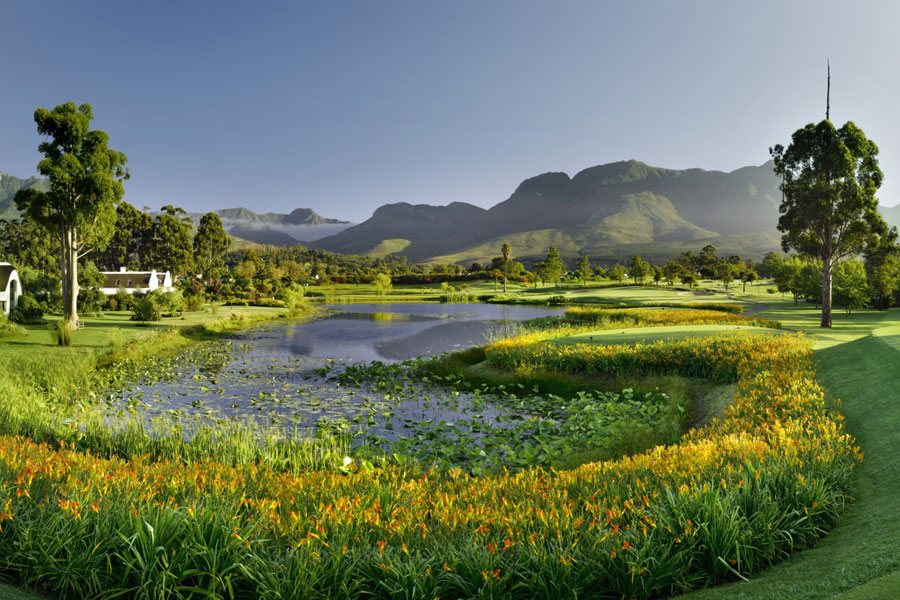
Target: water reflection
[[394, 332]]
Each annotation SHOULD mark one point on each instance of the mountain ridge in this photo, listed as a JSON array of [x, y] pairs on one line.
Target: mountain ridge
[[621, 203]]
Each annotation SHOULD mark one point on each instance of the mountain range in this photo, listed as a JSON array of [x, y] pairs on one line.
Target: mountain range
[[607, 212], [9, 185], [276, 229]]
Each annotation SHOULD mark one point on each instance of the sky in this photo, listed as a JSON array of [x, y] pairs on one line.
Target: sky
[[344, 105]]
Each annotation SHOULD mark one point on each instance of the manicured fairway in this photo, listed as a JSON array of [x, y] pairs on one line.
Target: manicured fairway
[[861, 558], [652, 334]]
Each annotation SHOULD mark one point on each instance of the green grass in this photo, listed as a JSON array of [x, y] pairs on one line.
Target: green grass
[[861, 557], [652, 334], [113, 327], [11, 593], [385, 247]]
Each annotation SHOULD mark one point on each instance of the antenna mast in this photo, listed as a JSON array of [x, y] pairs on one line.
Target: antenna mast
[[828, 95]]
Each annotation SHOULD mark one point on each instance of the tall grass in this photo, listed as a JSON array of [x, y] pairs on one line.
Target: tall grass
[[62, 332]]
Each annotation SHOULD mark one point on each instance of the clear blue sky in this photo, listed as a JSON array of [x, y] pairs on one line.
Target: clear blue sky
[[342, 106]]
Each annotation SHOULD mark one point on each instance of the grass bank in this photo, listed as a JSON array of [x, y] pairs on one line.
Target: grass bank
[[860, 559], [55, 393]]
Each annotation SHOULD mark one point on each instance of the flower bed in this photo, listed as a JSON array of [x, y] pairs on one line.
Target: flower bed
[[767, 478]]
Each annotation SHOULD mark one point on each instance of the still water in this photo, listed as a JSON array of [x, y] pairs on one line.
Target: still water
[[285, 374], [393, 332]]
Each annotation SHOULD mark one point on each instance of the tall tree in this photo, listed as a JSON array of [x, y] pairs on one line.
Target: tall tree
[[829, 210], [584, 268], [540, 272], [506, 251], [85, 184], [210, 244], [748, 276], [883, 270], [672, 271], [850, 287], [725, 272], [553, 265], [617, 273], [172, 249], [130, 242], [639, 268]]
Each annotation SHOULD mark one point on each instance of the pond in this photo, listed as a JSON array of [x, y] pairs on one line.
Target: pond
[[290, 378]]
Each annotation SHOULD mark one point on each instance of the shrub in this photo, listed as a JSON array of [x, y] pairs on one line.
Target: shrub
[[195, 302], [90, 299], [292, 298], [169, 303], [8, 329], [145, 309], [123, 300], [28, 310]]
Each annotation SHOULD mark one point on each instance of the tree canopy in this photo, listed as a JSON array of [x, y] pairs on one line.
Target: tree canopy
[[553, 265], [829, 210], [85, 178], [210, 244]]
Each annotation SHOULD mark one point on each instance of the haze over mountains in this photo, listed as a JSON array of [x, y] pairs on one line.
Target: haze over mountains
[[277, 229], [608, 212]]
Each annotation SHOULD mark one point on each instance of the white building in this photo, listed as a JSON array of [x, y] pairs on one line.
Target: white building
[[135, 281], [10, 287]]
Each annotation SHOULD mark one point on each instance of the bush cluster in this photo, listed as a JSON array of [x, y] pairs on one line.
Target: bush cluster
[[157, 304], [28, 310]]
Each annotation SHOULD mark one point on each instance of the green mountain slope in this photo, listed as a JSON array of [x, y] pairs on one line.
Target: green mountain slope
[[9, 185], [299, 216], [598, 210]]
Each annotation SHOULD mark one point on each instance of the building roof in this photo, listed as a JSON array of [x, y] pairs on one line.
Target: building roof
[[138, 279], [6, 271]]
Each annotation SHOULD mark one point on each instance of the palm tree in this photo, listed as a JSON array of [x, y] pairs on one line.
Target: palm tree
[[506, 250]]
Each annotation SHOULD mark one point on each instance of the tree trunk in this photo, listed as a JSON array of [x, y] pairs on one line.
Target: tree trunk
[[826, 293], [70, 278]]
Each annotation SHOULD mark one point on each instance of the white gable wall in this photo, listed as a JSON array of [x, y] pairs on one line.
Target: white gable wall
[[10, 296]]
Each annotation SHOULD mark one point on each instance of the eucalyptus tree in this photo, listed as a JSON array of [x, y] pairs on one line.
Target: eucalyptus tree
[[829, 210], [85, 178]]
